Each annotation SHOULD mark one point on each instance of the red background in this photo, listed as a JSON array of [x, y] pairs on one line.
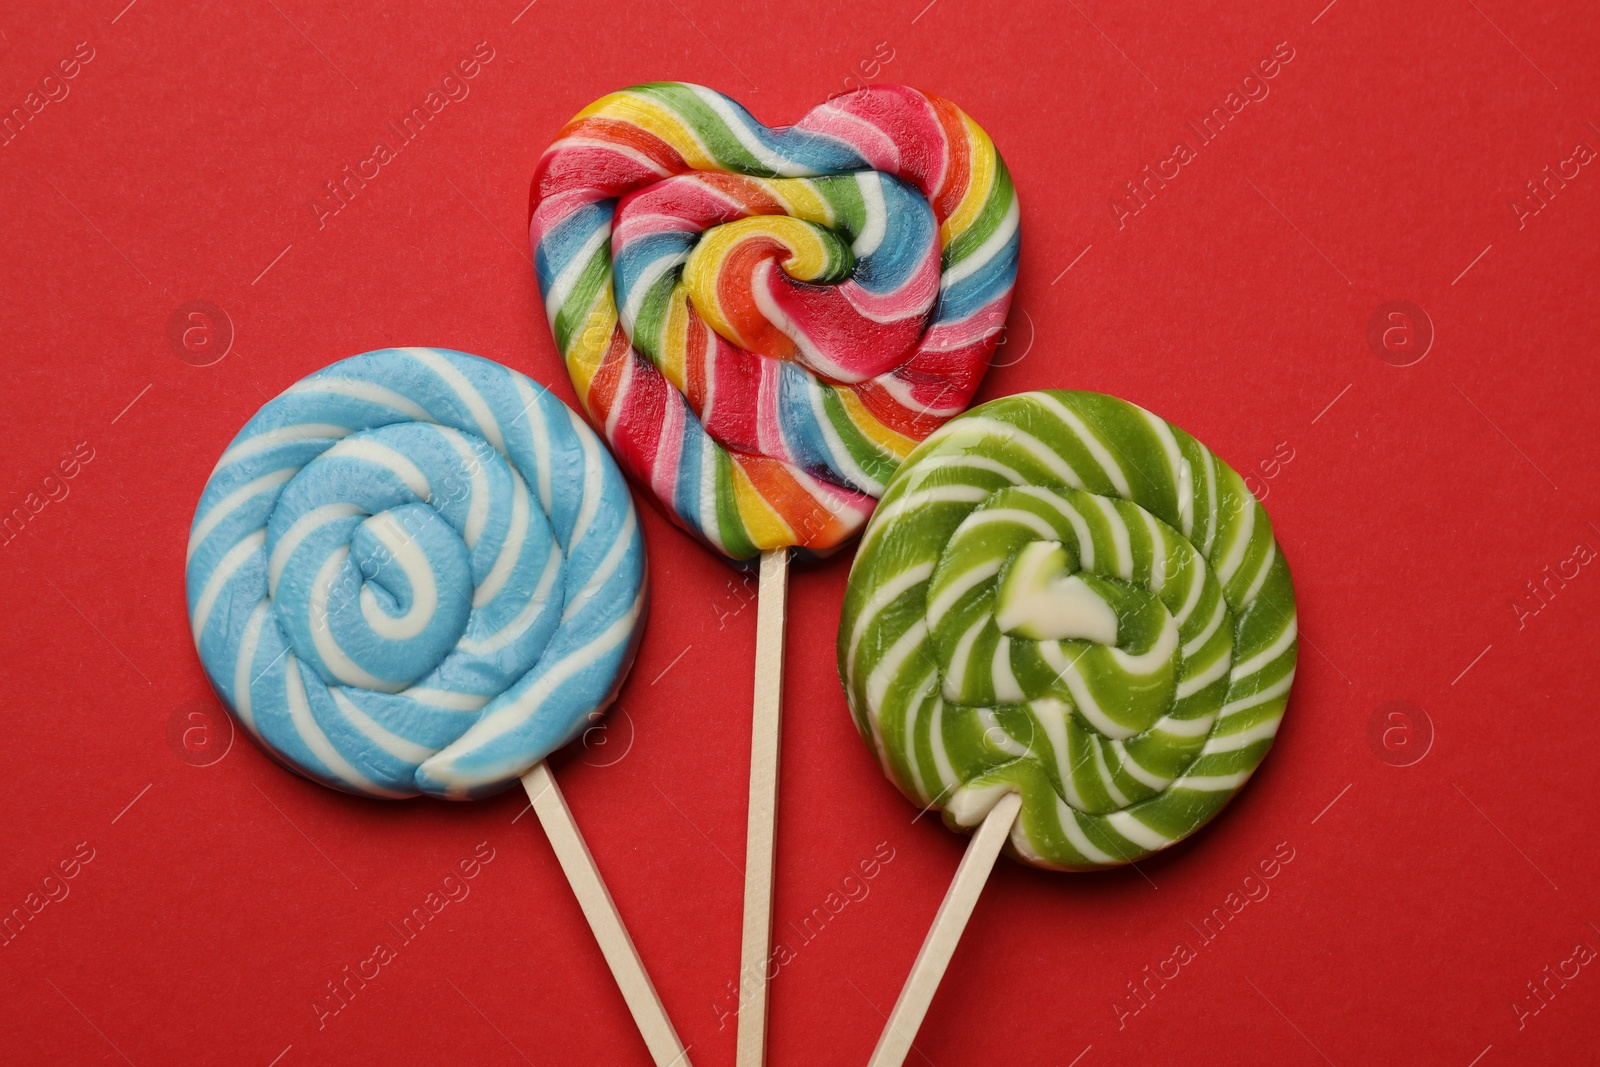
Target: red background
[[1415, 508]]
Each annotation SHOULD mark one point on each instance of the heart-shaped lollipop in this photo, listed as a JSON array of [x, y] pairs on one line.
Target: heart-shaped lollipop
[[765, 322]]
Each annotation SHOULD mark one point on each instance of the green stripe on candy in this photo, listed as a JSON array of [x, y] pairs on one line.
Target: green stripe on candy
[[843, 197], [730, 527], [1001, 196], [574, 313], [876, 463], [1116, 757], [708, 126], [650, 324]]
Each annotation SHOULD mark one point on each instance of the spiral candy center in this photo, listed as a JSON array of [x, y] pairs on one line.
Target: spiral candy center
[[381, 548], [840, 283], [1059, 605]]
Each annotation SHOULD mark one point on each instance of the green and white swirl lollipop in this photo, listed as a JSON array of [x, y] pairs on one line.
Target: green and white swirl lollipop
[[1069, 622]]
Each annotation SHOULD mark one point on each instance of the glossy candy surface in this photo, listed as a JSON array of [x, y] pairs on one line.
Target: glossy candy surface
[[1065, 596], [766, 321], [415, 571]]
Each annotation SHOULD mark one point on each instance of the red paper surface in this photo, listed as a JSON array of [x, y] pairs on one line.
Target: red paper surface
[[181, 164]]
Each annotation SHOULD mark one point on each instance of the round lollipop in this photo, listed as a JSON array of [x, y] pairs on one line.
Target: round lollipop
[[765, 322], [1068, 625], [417, 571]]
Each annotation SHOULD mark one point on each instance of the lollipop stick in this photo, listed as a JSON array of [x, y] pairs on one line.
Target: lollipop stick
[[758, 853], [940, 944], [601, 911]]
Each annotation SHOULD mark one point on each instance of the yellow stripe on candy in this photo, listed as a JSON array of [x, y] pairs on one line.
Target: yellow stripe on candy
[[809, 258], [588, 345], [600, 106], [890, 441], [701, 271], [799, 198], [656, 119], [674, 355], [763, 524], [980, 181]]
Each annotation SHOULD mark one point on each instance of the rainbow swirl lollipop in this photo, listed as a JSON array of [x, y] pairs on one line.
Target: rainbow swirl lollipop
[[766, 321]]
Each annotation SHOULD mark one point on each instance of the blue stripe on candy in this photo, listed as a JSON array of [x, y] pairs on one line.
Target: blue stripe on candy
[[635, 259], [801, 432], [686, 501], [909, 231], [565, 241], [981, 287]]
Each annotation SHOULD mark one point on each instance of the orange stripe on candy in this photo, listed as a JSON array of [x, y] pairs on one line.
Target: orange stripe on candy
[[602, 392], [751, 484], [957, 175], [627, 135], [776, 504], [694, 362]]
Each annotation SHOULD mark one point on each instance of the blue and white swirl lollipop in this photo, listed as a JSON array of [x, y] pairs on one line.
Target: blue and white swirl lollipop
[[415, 571]]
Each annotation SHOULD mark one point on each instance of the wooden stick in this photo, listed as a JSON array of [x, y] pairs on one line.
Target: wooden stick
[[755, 947], [940, 944], [601, 911]]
